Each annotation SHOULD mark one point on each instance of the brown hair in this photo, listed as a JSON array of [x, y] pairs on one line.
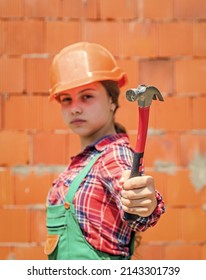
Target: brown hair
[[113, 90]]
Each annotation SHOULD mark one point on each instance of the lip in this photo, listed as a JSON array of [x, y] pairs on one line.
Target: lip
[[77, 121]]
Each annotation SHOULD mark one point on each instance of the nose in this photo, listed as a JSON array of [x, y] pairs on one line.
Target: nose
[[75, 108]]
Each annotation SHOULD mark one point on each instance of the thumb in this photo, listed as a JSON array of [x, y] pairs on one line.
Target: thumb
[[125, 176]]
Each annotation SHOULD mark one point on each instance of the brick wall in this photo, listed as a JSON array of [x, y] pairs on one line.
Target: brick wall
[[160, 42]]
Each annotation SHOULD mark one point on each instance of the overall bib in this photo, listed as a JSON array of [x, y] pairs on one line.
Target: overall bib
[[65, 240]]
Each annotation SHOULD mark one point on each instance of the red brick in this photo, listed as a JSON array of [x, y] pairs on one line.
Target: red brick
[[160, 182], [128, 116], [39, 8], [190, 76], [132, 138], [139, 39], [6, 188], [192, 146], [158, 73], [34, 112], [198, 113], [183, 252], [118, 9], [52, 117], [185, 9], [168, 228], [149, 252], [93, 31], [180, 190], [73, 146], [179, 41], [59, 34], [78, 9], [203, 196], [203, 252], [6, 253], [199, 39], [162, 151], [14, 148], [127, 113], [174, 114], [11, 220], [2, 41], [11, 75], [24, 37], [26, 251], [49, 148], [31, 188], [13, 103], [38, 226], [11, 8], [1, 112], [193, 225], [30, 112], [29, 252], [132, 69], [159, 9], [197, 175], [37, 75]]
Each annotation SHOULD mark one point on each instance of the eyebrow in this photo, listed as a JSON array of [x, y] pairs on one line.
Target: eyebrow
[[82, 91], [86, 89]]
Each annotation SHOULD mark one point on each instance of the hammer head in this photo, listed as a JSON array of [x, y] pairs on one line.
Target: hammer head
[[144, 95]]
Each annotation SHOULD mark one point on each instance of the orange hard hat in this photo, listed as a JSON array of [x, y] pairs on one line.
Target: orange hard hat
[[82, 63]]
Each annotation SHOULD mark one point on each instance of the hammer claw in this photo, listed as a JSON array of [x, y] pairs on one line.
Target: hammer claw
[[144, 95], [156, 93]]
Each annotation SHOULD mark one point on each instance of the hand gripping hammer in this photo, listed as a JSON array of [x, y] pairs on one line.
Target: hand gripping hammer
[[144, 95]]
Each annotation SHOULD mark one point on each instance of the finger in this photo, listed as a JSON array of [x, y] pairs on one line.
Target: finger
[[142, 207], [125, 176], [138, 182], [143, 202], [134, 193], [140, 211], [138, 193]]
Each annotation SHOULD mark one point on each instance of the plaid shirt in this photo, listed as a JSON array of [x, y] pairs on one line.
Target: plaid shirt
[[98, 199]]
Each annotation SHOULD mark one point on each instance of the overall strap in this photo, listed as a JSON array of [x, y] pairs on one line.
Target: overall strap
[[79, 178]]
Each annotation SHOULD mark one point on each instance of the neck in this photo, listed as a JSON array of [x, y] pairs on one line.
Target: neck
[[88, 140]]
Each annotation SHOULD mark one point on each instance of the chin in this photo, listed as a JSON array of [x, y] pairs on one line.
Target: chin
[[80, 131]]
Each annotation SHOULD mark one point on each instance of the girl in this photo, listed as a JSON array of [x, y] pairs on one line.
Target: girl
[[86, 203]]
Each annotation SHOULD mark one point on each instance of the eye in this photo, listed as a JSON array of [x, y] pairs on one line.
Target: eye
[[65, 99], [86, 97]]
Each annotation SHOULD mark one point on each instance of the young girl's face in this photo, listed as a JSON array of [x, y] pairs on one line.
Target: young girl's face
[[88, 111]]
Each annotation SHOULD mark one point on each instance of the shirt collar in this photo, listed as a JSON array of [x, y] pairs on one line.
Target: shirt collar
[[103, 143]]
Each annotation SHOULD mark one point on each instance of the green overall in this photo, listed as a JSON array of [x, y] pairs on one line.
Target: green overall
[[65, 240]]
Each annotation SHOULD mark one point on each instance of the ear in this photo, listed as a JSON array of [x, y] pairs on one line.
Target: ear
[[113, 107]]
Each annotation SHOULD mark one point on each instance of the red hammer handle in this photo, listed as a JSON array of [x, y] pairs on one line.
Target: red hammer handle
[[137, 165], [142, 129]]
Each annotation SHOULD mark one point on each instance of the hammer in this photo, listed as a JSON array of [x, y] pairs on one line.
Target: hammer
[[144, 95]]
